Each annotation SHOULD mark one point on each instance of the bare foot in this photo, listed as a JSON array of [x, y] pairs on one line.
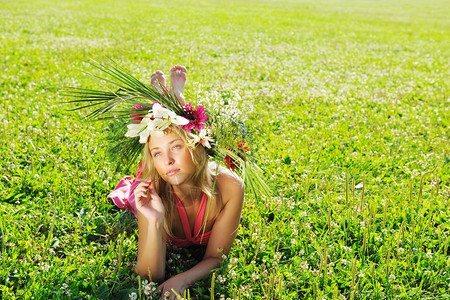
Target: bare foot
[[158, 79], [178, 76]]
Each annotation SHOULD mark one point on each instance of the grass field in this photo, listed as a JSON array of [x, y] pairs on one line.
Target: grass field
[[350, 121]]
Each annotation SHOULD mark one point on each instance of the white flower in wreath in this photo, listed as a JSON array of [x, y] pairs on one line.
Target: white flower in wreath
[[163, 117], [204, 138], [201, 138], [141, 129], [154, 123]]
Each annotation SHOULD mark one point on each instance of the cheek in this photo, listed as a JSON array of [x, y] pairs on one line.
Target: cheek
[[157, 165], [188, 158]]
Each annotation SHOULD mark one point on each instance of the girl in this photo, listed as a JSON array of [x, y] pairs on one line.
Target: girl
[[178, 196], [173, 207], [182, 201]]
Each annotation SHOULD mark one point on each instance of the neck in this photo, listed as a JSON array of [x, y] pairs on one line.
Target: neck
[[187, 193]]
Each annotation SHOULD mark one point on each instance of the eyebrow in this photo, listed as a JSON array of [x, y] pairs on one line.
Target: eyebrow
[[171, 142]]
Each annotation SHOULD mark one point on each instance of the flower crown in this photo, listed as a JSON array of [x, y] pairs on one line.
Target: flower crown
[[137, 111], [159, 119]]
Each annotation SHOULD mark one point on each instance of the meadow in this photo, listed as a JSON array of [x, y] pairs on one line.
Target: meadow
[[350, 122]]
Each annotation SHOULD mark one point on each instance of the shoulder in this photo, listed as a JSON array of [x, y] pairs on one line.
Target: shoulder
[[229, 184]]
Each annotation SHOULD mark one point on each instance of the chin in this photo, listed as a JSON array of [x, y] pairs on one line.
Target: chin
[[174, 180], [178, 179]]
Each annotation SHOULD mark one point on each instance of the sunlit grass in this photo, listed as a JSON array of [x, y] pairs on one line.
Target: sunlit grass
[[350, 122]]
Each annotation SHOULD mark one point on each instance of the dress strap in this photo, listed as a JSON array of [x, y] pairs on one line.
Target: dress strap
[[200, 216]]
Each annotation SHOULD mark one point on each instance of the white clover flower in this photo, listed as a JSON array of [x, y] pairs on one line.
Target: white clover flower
[[232, 273], [133, 296], [221, 278], [255, 277], [429, 255], [346, 248], [147, 290]]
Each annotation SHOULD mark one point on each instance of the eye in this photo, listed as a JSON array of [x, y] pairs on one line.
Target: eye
[[155, 154], [176, 147]]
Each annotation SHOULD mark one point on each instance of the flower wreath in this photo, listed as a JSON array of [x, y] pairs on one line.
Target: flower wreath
[[136, 110]]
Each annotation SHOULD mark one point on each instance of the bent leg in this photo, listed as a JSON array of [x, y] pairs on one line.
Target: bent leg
[[178, 77], [158, 80]]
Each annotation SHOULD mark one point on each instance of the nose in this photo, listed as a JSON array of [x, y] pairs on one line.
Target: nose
[[170, 160]]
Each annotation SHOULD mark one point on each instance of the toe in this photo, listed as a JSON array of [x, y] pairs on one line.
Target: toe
[[178, 68]]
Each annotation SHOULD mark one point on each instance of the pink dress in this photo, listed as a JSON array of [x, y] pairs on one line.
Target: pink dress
[[123, 194], [199, 237], [123, 197]]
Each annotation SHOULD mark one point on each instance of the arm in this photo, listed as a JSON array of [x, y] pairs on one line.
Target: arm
[[151, 246], [222, 236]]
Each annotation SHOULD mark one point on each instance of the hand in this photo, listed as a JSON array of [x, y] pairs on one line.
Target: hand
[[177, 283], [148, 202]]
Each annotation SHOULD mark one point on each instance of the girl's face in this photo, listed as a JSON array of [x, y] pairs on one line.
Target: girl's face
[[172, 159]]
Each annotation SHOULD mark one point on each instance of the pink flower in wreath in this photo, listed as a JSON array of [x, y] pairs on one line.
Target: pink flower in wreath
[[138, 117], [196, 117]]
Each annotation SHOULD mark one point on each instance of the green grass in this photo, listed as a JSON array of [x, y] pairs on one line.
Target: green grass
[[344, 92]]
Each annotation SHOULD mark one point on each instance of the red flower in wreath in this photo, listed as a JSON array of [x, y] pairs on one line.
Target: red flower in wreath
[[242, 149]]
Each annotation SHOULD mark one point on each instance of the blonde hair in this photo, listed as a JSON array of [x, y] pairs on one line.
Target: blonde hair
[[203, 179]]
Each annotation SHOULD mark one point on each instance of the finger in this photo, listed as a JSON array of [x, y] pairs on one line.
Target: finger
[[140, 191], [151, 189], [145, 183], [161, 287], [141, 196]]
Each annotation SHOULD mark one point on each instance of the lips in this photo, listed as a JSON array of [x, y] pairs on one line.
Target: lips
[[172, 172]]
